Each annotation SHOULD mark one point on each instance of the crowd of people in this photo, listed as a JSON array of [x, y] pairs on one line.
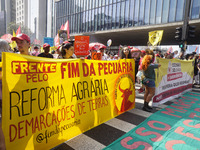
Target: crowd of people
[[145, 63]]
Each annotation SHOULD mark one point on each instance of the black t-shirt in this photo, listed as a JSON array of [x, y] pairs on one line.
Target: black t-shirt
[[45, 55]]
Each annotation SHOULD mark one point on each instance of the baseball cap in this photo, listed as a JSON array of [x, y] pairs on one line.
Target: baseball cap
[[143, 51], [66, 42], [22, 37], [46, 45]]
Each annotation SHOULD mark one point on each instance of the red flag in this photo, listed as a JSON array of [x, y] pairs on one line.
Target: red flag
[[62, 27], [170, 50], [57, 40], [18, 31], [196, 49], [66, 27]]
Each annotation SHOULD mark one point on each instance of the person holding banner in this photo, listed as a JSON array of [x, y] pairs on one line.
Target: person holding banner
[[4, 47], [125, 53], [23, 43], [149, 80], [67, 50]]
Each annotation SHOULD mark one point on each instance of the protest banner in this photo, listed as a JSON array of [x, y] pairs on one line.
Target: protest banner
[[155, 37], [175, 127], [173, 78], [81, 45], [49, 101]]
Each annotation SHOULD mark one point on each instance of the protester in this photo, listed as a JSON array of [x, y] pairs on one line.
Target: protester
[[36, 51], [175, 54], [46, 53], [196, 76], [125, 53], [149, 80], [116, 57], [140, 71], [102, 50], [90, 53], [198, 67], [181, 56], [165, 55], [23, 43], [67, 50], [4, 47]]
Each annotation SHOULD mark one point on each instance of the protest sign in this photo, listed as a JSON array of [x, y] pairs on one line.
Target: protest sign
[[173, 78], [81, 45], [49, 101]]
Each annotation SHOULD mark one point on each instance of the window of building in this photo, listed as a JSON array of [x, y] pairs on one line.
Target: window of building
[[195, 9], [136, 13], [99, 19], [96, 19], [82, 5], [147, 12], [90, 4], [84, 22], [114, 16], [153, 12], [165, 12], [131, 13], [94, 3], [92, 20], [172, 10], [89, 20], [99, 3], [106, 17], [179, 10], [141, 14], [126, 13], [118, 15], [122, 14], [158, 12], [102, 17], [107, 2], [110, 17], [103, 2]]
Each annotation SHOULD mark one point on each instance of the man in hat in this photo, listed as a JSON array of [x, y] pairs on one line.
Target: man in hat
[[23, 43], [46, 53]]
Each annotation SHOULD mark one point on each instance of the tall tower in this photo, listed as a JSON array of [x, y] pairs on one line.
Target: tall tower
[[22, 12]]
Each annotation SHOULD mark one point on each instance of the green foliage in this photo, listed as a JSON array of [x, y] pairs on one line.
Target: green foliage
[[13, 26]]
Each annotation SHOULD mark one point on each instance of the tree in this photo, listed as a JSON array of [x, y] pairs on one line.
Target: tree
[[13, 26]]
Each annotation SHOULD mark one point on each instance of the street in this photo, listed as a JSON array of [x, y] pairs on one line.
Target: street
[[106, 133]]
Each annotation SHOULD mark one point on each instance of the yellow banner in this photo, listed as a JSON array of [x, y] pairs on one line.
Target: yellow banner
[[173, 78], [155, 37], [49, 101]]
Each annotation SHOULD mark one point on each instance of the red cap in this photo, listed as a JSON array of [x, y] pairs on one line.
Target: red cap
[[143, 51], [21, 37], [102, 46], [157, 55], [66, 42], [46, 45]]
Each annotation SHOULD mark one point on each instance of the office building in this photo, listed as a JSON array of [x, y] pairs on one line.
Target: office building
[[126, 22]]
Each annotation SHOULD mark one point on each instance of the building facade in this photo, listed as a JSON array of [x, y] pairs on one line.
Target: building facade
[[41, 18], [93, 17], [21, 12]]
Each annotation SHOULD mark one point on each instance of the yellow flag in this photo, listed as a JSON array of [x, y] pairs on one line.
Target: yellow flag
[[13, 43], [155, 37]]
